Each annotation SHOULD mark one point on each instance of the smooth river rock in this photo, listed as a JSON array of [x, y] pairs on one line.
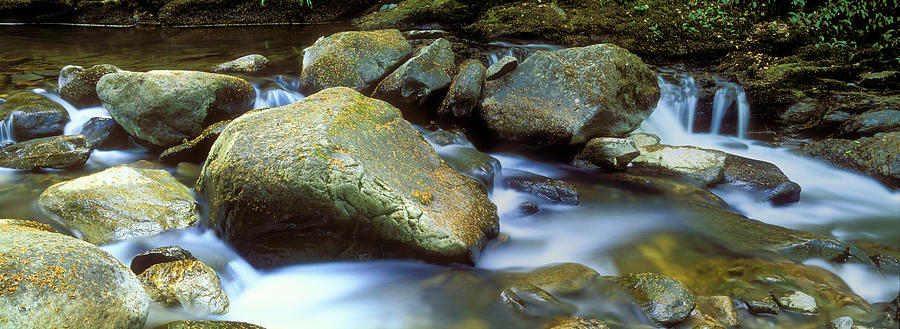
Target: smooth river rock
[[51, 280], [78, 86], [345, 164], [57, 152], [188, 284], [665, 300], [352, 59], [246, 64], [570, 96], [120, 203], [33, 116], [167, 107]]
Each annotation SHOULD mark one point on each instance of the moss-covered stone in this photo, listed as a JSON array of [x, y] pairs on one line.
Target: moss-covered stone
[[570, 96], [356, 60], [419, 77], [79, 86], [563, 279], [191, 324], [665, 300], [464, 92], [245, 64], [577, 323], [33, 116], [871, 123], [154, 256], [58, 152], [188, 284], [410, 13], [166, 107], [342, 163], [197, 149], [51, 280], [875, 156], [120, 203]]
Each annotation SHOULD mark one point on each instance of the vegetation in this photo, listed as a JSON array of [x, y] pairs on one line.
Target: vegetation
[[306, 2]]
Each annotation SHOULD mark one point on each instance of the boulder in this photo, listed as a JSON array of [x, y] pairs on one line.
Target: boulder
[[473, 163], [665, 300], [608, 153], [166, 107], [643, 139], [875, 156], [78, 86], [503, 66], [570, 96], [197, 149], [419, 77], [52, 280], [120, 203], [105, 134], [352, 59], [33, 116], [544, 188], [58, 152], [342, 163], [154, 256], [464, 92], [871, 123], [192, 324], [246, 64], [189, 284]]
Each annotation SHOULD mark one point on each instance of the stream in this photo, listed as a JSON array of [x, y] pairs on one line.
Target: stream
[[410, 294]]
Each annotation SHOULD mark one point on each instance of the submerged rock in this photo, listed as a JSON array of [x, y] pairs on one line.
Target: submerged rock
[[473, 163], [608, 153], [33, 116], [570, 96], [189, 284], [197, 149], [445, 137], [503, 66], [52, 280], [665, 300], [563, 279], [419, 77], [58, 152], [342, 163], [533, 301], [166, 107], [78, 86], [246, 64], [120, 203], [876, 155], [464, 92], [720, 308], [154, 256], [105, 134], [545, 188], [192, 324], [352, 59]]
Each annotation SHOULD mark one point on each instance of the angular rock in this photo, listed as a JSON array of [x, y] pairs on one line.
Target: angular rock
[[875, 156], [246, 64], [192, 324], [419, 77], [197, 149], [570, 96], [78, 86], [120, 203], [608, 153], [105, 134], [871, 123], [58, 152], [720, 308], [545, 188], [464, 92], [473, 163], [33, 116], [760, 176], [665, 300], [189, 284], [52, 280], [352, 59], [343, 163], [166, 107], [154, 256], [503, 66], [844, 322], [797, 301]]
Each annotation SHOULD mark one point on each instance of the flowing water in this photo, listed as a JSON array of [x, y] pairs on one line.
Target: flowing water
[[609, 222]]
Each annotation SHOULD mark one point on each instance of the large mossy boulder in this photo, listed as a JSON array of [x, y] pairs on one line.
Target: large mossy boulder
[[50, 280], [33, 116], [78, 85], [875, 156], [58, 152], [352, 59], [120, 203], [188, 284], [166, 107], [419, 77], [342, 163], [570, 96]]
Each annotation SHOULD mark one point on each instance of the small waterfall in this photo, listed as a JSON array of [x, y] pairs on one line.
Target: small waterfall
[[283, 93], [6, 130], [498, 50], [726, 96], [77, 117]]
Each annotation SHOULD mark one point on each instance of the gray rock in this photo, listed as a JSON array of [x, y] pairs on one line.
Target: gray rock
[[58, 152], [883, 79], [643, 139], [189, 284], [105, 134], [345, 164], [352, 59], [154, 256], [52, 280], [246, 64], [166, 107], [503, 66], [197, 149], [528, 208], [608, 153], [473, 163], [419, 77], [465, 92], [545, 188], [875, 156], [120, 203], [665, 300], [871, 123], [844, 322], [33, 116], [570, 96], [797, 301], [78, 86]]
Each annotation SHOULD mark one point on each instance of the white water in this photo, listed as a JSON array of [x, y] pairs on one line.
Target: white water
[[77, 116], [6, 129], [519, 51]]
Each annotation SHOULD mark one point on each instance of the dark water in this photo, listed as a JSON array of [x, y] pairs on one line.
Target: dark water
[[616, 229]]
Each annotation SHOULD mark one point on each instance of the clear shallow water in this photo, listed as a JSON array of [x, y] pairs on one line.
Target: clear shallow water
[[408, 294]]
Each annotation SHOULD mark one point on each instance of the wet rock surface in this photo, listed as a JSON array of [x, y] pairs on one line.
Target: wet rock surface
[[33, 116], [876, 155], [665, 300], [356, 60], [473, 163], [419, 77], [246, 64], [188, 284], [503, 66], [197, 149], [608, 153], [49, 152], [464, 92], [105, 134], [544, 188], [78, 85], [154, 256]]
